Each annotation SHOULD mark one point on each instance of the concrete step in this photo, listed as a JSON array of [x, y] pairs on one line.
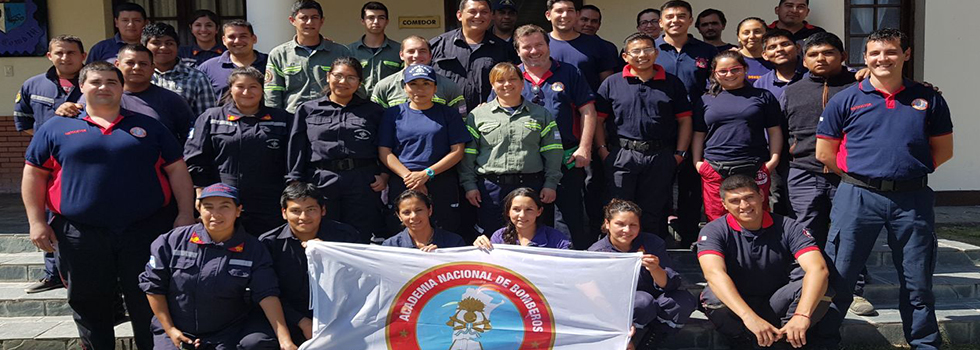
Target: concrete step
[[16, 243], [959, 322], [51, 332], [21, 267], [14, 302], [951, 253]]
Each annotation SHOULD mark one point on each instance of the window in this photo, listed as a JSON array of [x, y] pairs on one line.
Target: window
[[178, 12], [866, 16]]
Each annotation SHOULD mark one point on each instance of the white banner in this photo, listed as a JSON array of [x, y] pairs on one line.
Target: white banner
[[512, 298]]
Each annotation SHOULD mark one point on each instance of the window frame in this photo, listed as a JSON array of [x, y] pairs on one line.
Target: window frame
[[906, 25]]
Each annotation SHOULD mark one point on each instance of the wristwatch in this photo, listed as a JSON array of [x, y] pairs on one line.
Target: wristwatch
[[683, 154], [430, 172]]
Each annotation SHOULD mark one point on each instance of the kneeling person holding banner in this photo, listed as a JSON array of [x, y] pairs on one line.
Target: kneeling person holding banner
[[748, 258], [659, 305], [523, 207], [414, 209], [196, 283]]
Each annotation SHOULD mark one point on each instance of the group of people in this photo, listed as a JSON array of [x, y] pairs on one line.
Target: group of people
[[184, 182]]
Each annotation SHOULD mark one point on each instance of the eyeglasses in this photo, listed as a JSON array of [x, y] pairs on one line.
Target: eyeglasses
[[648, 23], [734, 70], [341, 77], [637, 52], [538, 95]]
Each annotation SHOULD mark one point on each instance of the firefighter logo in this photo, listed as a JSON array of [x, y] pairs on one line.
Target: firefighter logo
[[138, 132], [920, 104]]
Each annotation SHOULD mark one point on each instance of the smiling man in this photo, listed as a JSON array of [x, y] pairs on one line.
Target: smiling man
[[297, 69], [129, 20], [239, 39], [884, 136], [189, 83], [587, 52], [756, 295]]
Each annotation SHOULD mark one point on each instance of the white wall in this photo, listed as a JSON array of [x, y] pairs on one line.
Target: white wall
[[950, 49]]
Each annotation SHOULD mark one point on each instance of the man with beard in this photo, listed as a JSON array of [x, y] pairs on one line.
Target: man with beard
[[711, 23]]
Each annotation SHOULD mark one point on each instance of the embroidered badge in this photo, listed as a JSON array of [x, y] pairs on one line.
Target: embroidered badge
[[558, 87], [138, 132], [920, 104]]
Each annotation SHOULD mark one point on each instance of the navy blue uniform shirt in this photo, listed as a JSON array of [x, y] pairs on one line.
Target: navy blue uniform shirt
[[760, 261], [219, 69], [692, 64], [105, 177], [161, 104], [886, 136], [247, 152], [644, 110], [646, 243], [290, 264], [544, 237], [39, 97], [205, 281], [588, 53], [802, 105], [105, 50], [770, 82], [736, 122], [756, 69], [441, 238], [801, 35], [469, 67], [193, 55], [562, 92], [323, 131], [421, 138]]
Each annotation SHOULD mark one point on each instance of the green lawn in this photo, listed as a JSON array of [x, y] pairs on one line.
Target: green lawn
[[967, 234]]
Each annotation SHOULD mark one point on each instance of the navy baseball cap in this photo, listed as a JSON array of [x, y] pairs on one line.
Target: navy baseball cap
[[502, 4], [419, 71], [220, 190]]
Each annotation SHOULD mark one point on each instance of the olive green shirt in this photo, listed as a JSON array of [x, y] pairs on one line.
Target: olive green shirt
[[377, 65], [390, 92], [526, 142], [294, 74]]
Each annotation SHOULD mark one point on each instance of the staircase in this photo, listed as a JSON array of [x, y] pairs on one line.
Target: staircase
[[956, 286]]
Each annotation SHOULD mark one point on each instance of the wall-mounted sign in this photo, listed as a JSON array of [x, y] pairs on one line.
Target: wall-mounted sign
[[23, 28], [415, 22]]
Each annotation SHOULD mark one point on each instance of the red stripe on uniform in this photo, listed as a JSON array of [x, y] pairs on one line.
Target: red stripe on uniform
[[806, 250], [54, 185], [706, 252], [164, 182], [682, 115], [842, 154]]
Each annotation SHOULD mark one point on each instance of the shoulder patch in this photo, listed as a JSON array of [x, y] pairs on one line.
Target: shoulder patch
[[920, 104], [138, 132]]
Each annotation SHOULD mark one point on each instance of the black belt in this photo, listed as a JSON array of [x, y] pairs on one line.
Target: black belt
[[882, 185], [345, 164], [514, 179], [642, 146]]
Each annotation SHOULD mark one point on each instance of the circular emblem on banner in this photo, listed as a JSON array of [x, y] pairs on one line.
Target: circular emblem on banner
[[138, 132], [920, 104], [558, 87], [469, 305]]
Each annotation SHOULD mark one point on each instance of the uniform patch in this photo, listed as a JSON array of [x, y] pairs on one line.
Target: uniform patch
[[272, 143], [138, 132], [761, 178], [362, 134], [702, 62], [17, 98], [268, 75], [557, 87], [920, 104], [807, 233]]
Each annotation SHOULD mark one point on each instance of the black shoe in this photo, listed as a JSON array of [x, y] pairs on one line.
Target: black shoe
[[44, 285], [650, 341]]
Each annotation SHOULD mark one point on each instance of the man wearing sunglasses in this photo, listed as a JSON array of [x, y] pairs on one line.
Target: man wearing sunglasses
[[563, 91]]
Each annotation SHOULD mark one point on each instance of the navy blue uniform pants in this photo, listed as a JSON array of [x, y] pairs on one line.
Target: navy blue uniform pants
[[491, 214], [777, 309], [570, 208], [644, 179], [351, 200], [858, 216], [689, 201], [664, 313], [97, 263], [811, 195], [596, 193], [253, 332], [443, 190]]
